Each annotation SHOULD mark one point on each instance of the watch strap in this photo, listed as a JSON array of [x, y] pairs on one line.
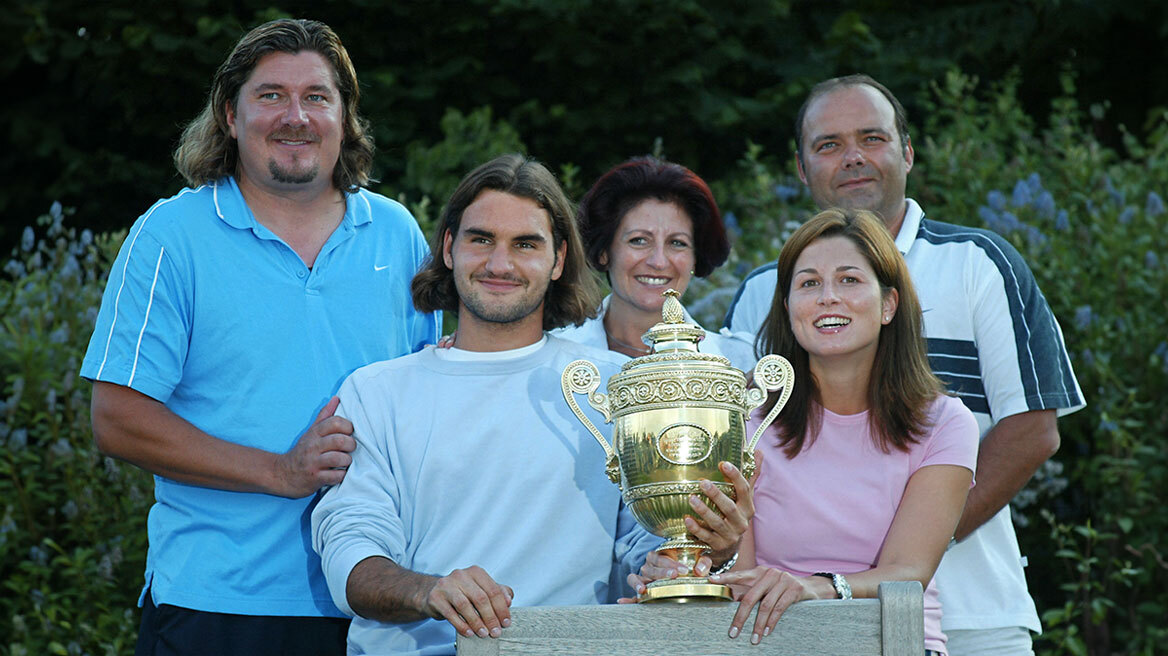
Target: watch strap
[[725, 567], [843, 589]]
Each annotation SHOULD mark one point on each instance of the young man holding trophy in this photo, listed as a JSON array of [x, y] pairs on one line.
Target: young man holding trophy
[[473, 486]]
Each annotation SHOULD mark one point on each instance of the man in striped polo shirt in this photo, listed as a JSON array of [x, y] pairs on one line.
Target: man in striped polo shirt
[[992, 338]]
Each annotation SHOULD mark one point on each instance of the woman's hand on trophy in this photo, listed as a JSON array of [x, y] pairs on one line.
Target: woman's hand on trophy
[[772, 590], [471, 601], [722, 532]]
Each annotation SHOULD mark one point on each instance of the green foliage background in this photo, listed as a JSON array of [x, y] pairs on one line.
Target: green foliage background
[[1030, 141], [105, 86]]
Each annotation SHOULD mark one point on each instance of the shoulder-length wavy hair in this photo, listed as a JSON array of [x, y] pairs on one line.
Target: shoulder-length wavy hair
[[901, 385], [629, 183], [207, 152], [571, 299]]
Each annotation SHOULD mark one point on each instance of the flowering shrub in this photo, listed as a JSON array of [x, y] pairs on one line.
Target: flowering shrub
[[72, 540], [1091, 223]]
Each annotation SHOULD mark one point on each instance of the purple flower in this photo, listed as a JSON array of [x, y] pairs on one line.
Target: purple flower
[[27, 239], [1035, 236], [61, 448], [1044, 205], [1117, 196], [41, 557], [1034, 181], [787, 193], [1154, 206], [996, 200], [1126, 215], [1162, 352], [1022, 194], [1061, 222], [1083, 317], [988, 216], [731, 222], [1151, 260], [1011, 222]]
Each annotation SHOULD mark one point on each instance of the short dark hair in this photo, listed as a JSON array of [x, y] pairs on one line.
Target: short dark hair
[[901, 386], [571, 299], [628, 184], [855, 80], [207, 151]]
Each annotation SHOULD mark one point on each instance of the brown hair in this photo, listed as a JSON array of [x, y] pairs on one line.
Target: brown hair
[[571, 299], [207, 152], [855, 80], [901, 386], [627, 184]]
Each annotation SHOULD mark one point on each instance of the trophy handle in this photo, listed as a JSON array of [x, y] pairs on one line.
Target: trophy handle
[[771, 373], [582, 377]]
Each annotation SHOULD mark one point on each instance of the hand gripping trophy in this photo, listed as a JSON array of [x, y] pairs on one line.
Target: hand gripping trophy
[[677, 413]]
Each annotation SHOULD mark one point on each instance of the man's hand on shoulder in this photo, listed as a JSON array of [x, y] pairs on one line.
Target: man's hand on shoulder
[[319, 458]]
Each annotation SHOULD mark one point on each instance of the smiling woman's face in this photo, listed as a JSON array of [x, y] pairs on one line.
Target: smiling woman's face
[[835, 302], [652, 250]]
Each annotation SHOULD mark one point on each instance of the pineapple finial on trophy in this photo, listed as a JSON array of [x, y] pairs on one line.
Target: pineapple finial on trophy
[[671, 311]]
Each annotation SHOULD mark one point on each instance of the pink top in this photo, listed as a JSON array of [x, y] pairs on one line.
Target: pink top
[[830, 508]]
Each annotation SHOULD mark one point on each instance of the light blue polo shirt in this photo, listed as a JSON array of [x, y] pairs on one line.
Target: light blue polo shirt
[[212, 314]]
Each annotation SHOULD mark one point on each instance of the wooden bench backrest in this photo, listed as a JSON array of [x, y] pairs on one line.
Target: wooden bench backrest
[[892, 625]]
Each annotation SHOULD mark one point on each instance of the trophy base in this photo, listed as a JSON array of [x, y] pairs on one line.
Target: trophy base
[[685, 589]]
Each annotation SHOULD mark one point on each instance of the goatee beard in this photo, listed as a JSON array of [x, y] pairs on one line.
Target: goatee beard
[[285, 176]]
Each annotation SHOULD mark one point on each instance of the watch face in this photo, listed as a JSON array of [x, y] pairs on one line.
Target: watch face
[[843, 589]]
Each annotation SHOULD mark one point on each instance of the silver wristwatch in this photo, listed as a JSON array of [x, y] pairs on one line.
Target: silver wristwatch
[[725, 567], [843, 589]]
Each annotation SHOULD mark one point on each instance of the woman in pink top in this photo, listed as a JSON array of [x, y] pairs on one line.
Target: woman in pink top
[[866, 470]]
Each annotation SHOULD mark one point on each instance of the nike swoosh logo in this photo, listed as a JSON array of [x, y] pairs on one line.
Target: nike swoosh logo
[[380, 268]]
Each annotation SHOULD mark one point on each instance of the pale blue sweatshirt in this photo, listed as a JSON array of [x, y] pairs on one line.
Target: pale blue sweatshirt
[[480, 462]]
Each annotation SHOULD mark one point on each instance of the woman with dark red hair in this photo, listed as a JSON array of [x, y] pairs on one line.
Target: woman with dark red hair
[[651, 225]]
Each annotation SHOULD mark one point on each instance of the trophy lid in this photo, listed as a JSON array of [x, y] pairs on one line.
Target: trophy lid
[[674, 333]]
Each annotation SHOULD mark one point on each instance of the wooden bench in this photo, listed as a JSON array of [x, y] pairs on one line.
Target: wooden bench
[[891, 625]]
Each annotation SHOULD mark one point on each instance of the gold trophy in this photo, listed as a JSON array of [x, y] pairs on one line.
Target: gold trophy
[[677, 413]]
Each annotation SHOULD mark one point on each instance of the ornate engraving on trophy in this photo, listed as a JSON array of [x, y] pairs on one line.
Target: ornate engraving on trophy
[[684, 443]]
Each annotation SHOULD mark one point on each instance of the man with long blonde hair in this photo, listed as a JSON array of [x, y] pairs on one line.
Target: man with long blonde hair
[[232, 313]]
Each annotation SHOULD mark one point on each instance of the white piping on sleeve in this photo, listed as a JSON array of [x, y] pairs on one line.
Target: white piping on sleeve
[[215, 197], [125, 267], [146, 318]]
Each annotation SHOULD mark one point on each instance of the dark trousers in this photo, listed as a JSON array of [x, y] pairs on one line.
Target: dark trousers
[[172, 631]]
